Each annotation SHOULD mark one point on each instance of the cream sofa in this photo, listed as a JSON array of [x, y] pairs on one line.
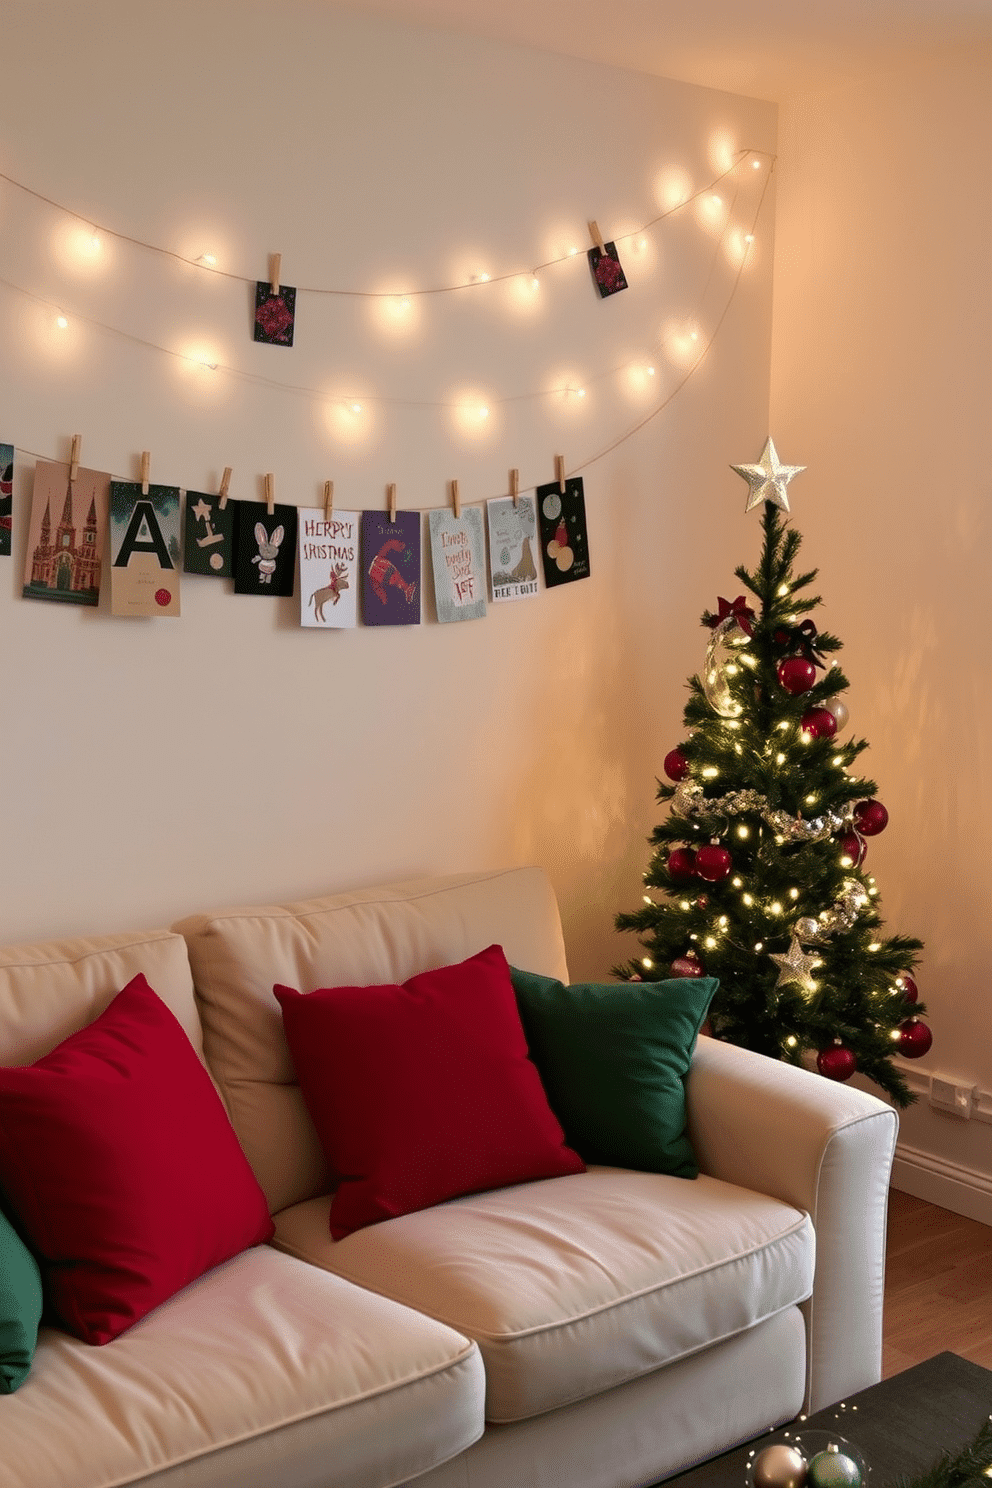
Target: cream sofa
[[597, 1330]]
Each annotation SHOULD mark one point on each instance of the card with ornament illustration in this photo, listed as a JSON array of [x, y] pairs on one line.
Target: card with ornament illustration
[[6, 497], [607, 270], [264, 548], [458, 551], [66, 533], [512, 547], [144, 549], [390, 568], [329, 572], [275, 314], [564, 540], [208, 546]]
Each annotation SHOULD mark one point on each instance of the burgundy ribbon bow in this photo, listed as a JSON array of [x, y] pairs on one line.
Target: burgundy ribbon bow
[[798, 641], [740, 612]]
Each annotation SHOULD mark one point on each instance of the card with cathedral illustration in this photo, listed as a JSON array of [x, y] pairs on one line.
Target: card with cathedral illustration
[[458, 550], [512, 547], [329, 579], [391, 568], [144, 549], [564, 540], [208, 546], [66, 534], [264, 548], [6, 497]]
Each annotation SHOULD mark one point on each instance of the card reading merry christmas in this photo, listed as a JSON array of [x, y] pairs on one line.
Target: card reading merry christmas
[[209, 534], [65, 551], [391, 568], [328, 568], [458, 550], [512, 541], [6, 497], [144, 549], [264, 548], [564, 541]]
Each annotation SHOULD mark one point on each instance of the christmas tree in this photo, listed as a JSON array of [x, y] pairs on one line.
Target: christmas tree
[[759, 866]]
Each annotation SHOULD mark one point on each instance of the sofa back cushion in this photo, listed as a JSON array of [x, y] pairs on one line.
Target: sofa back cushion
[[368, 937]]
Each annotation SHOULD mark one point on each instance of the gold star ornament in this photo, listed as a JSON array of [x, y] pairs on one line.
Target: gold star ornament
[[769, 478], [796, 966]]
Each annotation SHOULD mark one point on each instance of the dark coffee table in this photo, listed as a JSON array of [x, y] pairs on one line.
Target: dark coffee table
[[901, 1425]]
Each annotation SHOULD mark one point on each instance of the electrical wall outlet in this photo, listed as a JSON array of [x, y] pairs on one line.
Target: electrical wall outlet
[[946, 1095]]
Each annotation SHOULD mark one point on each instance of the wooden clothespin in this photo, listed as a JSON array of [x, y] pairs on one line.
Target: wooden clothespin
[[225, 482], [560, 472], [146, 460], [455, 500], [328, 500], [391, 499], [77, 444], [597, 237], [270, 498], [275, 265], [515, 486]]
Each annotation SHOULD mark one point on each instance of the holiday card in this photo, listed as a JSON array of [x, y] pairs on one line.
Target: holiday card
[[512, 541], [275, 314], [607, 270], [264, 548], [458, 550], [209, 534], [144, 549], [564, 542], [328, 568], [391, 568], [6, 497], [65, 534]]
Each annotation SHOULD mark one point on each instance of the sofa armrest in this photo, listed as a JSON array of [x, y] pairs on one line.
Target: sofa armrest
[[825, 1149]]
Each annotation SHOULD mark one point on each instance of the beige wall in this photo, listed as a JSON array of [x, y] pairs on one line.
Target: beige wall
[[157, 767], [882, 385]]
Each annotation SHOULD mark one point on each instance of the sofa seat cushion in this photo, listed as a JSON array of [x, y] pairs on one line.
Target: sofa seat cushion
[[262, 1346], [573, 1285]]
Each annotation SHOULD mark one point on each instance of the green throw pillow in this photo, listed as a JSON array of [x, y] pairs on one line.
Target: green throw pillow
[[613, 1060], [20, 1307]]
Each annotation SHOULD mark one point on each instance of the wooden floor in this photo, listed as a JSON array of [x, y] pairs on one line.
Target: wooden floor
[[938, 1285]]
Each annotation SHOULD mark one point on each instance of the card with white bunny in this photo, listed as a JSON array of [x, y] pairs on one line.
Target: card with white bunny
[[264, 548], [329, 581]]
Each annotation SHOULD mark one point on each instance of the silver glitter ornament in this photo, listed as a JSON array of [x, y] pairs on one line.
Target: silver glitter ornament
[[720, 661]]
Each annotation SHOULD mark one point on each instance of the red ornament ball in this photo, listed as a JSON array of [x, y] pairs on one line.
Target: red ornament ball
[[836, 1063], [682, 862], [854, 847], [870, 818], [163, 597], [915, 1039], [713, 863], [688, 966], [819, 722], [676, 765], [910, 991], [796, 674]]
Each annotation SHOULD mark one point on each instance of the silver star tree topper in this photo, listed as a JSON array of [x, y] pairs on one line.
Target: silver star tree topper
[[769, 478]]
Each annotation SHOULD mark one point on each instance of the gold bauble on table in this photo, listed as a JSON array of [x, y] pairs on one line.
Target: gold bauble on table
[[779, 1466]]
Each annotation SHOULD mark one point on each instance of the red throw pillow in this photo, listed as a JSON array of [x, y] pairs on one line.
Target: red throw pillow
[[122, 1168], [422, 1092]]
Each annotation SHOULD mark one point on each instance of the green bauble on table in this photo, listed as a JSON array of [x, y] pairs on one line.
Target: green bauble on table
[[833, 1468]]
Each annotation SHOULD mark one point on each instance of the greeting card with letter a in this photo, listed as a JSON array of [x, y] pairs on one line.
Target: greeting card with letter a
[[144, 549]]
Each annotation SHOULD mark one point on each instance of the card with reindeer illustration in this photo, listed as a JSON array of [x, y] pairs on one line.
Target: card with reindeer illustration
[[329, 571], [264, 548], [391, 568]]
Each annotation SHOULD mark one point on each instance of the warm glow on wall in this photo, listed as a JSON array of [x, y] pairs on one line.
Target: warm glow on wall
[[350, 418], [473, 415], [672, 187]]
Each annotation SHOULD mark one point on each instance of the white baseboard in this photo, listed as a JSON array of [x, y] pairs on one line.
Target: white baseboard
[[962, 1190]]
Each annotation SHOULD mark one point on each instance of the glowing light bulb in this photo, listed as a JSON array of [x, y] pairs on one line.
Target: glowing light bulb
[[810, 800], [207, 258], [483, 278], [748, 899], [793, 893], [875, 946], [791, 1041], [737, 882], [647, 963], [61, 321], [483, 412], [775, 908], [783, 590], [685, 905], [759, 945], [693, 335], [709, 943], [743, 833], [749, 237], [755, 164], [356, 407], [572, 252], [780, 759], [711, 772]]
